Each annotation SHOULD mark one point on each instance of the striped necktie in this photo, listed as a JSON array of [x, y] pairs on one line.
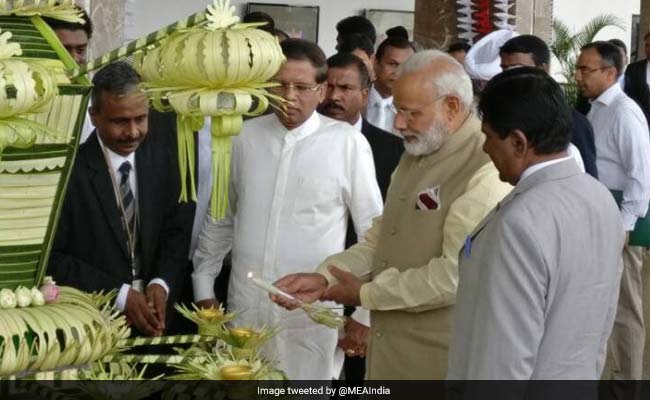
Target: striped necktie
[[127, 197]]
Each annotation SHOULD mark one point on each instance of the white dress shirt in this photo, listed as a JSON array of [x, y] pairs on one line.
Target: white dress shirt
[[291, 193], [116, 161], [380, 111], [204, 182], [622, 151]]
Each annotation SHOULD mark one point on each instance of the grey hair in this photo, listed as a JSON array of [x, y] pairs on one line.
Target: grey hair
[[454, 81]]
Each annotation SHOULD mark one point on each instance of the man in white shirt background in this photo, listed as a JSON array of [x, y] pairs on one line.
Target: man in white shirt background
[[623, 159], [391, 53], [296, 176]]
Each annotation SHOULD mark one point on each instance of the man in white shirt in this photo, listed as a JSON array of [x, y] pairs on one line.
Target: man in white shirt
[[296, 176], [391, 53], [121, 226], [623, 159]]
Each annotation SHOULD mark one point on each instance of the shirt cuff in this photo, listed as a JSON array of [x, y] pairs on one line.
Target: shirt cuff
[[120, 301], [362, 316], [364, 296], [629, 220], [203, 287], [159, 281]]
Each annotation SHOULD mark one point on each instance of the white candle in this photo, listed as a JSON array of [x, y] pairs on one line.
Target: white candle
[[269, 287]]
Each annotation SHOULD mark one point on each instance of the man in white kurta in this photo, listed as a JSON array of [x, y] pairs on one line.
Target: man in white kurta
[[293, 185]]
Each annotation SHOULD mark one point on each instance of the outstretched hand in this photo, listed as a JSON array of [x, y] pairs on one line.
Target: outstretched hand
[[306, 287]]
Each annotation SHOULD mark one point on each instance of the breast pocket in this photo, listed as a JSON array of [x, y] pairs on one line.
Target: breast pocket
[[316, 197]]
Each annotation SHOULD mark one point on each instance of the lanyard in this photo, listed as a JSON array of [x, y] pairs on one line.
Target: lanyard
[[131, 236]]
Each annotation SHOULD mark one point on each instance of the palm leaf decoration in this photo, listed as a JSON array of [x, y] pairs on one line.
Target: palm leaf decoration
[[59, 9], [566, 47], [76, 330], [220, 70]]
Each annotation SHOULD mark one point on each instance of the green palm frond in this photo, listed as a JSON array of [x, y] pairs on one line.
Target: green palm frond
[[563, 43], [587, 34]]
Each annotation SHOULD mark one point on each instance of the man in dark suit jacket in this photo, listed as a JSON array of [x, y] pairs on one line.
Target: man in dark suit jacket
[[636, 80], [531, 51], [348, 83], [121, 226]]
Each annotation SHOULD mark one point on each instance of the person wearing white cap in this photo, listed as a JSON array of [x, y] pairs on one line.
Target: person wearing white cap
[[483, 61]]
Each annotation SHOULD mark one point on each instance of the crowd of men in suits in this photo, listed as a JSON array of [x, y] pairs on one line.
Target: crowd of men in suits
[[460, 227]]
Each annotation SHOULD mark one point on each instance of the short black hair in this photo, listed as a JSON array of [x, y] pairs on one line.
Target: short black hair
[[259, 16], [459, 46], [353, 41], [528, 44], [545, 118], [300, 49], [345, 60], [646, 36], [357, 24], [280, 34], [393, 41], [117, 78], [619, 43], [87, 26], [608, 52], [398, 31]]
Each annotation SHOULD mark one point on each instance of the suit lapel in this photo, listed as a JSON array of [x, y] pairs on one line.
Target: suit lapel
[[103, 187]]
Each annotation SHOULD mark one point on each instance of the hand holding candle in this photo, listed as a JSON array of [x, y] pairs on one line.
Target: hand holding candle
[[269, 287], [318, 314]]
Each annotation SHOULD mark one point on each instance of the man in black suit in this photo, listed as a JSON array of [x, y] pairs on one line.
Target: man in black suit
[[531, 51], [348, 83], [637, 80], [121, 226], [347, 94]]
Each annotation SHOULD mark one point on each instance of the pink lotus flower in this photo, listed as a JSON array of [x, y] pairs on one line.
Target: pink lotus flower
[[50, 290]]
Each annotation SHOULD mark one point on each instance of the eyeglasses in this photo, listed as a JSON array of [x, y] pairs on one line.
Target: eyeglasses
[[410, 114], [298, 87], [583, 69]]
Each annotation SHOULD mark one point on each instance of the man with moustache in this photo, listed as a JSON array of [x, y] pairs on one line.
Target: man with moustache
[[121, 226], [296, 177], [345, 99], [405, 272]]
